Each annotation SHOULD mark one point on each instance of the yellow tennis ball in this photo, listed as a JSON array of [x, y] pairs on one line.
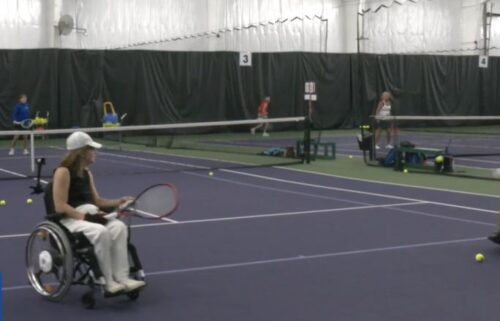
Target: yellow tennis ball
[[350, 156], [3, 203], [210, 173], [29, 201], [479, 258], [439, 159], [405, 171]]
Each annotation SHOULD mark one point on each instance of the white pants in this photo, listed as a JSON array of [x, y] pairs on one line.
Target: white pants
[[109, 241]]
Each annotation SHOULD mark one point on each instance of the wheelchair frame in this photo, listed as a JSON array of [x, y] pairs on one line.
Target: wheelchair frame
[[70, 259]]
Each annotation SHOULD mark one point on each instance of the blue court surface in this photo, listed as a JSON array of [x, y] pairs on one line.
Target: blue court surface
[[280, 244]]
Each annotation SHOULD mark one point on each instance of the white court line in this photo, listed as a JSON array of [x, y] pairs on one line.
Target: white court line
[[246, 217], [13, 236], [282, 190], [280, 214], [20, 175], [292, 259], [356, 191], [248, 184], [313, 185], [444, 217], [393, 207], [156, 216], [331, 188], [310, 172], [343, 189], [346, 190], [13, 173], [270, 215], [385, 183]]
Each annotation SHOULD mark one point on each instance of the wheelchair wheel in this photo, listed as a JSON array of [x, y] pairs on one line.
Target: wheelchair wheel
[[88, 300], [49, 261], [134, 295]]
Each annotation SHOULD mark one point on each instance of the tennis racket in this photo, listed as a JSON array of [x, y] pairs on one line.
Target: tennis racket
[[26, 124], [153, 203]]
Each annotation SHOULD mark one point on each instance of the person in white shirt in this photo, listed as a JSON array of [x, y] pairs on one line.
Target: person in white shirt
[[384, 110]]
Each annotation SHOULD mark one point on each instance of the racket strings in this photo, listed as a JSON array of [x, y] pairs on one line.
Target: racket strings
[[157, 201]]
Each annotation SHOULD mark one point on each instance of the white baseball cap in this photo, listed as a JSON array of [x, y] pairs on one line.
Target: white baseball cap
[[80, 139]]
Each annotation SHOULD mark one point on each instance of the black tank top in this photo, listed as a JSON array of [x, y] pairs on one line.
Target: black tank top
[[79, 190]]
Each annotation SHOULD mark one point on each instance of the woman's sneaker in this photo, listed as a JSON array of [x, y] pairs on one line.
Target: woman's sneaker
[[131, 284], [114, 288]]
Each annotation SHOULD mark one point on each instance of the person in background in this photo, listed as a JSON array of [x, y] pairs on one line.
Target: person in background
[[384, 110], [21, 113], [262, 114]]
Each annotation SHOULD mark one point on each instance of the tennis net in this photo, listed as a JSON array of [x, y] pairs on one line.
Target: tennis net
[[472, 142], [167, 147]]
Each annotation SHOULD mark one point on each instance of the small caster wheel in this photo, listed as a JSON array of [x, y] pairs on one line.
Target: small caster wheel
[[88, 300], [134, 295]]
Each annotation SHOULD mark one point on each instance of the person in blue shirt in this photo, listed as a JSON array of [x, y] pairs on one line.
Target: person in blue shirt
[[21, 113]]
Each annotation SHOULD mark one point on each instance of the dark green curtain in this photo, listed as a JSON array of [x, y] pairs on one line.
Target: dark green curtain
[[166, 87]]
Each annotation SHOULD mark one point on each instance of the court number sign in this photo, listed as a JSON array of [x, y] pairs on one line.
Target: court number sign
[[245, 59], [483, 61]]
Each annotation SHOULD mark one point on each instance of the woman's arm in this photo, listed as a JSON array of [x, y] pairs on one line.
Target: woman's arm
[[379, 106], [60, 194], [103, 202]]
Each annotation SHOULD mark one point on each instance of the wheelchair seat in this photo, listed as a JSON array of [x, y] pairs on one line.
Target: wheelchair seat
[[57, 258]]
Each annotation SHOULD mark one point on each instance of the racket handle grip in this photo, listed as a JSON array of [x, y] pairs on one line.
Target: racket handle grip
[[125, 204], [111, 215]]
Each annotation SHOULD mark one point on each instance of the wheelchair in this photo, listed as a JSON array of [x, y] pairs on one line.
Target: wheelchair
[[56, 259]]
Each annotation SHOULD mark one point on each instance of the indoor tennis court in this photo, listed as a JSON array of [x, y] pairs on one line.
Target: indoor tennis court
[[261, 160], [272, 243]]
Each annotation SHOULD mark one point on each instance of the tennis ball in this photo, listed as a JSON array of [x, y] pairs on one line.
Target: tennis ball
[[350, 156], [42, 235], [496, 173], [479, 258], [405, 171], [210, 173], [29, 201], [3, 203], [439, 159]]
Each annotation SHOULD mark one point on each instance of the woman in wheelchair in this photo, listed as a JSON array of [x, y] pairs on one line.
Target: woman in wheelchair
[[76, 197]]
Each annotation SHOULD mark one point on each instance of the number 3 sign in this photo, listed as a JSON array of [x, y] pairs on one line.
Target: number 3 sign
[[245, 59]]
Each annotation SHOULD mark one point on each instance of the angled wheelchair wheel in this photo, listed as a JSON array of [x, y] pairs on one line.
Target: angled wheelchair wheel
[[88, 300], [49, 261], [134, 295]]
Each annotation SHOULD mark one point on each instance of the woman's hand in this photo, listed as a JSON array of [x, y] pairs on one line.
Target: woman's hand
[[124, 201], [99, 218]]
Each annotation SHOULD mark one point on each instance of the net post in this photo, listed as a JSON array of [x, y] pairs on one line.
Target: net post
[[309, 97], [307, 140], [32, 151]]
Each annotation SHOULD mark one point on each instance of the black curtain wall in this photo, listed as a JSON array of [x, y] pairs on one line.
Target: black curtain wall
[[166, 87]]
